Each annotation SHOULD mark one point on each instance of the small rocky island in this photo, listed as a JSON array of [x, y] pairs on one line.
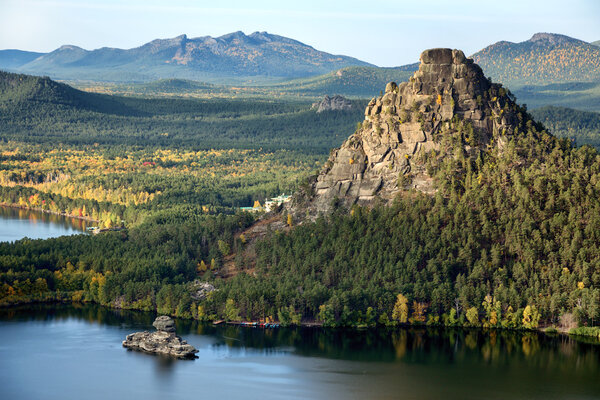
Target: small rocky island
[[164, 341]]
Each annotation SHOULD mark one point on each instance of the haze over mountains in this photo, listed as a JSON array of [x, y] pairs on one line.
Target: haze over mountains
[[233, 57], [547, 69]]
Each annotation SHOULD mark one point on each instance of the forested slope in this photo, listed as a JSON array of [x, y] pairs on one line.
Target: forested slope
[[509, 239], [39, 110]]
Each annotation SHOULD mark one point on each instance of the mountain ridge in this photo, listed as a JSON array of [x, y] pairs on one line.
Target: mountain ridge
[[236, 56], [545, 58]]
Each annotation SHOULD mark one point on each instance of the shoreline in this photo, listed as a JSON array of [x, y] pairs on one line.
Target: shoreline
[[41, 210], [305, 324]]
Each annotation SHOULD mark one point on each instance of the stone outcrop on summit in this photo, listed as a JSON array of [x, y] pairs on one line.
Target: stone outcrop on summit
[[385, 154]]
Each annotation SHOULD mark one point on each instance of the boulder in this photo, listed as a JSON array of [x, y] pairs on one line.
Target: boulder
[[437, 56], [164, 341], [164, 324]]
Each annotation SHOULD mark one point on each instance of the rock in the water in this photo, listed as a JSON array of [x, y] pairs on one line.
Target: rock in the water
[[164, 324], [404, 126], [335, 103], [164, 341]]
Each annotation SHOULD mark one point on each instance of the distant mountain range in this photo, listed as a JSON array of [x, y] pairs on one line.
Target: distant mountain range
[[232, 58], [548, 69], [544, 59]]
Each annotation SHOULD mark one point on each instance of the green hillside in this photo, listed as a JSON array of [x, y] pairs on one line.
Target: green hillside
[[24, 93]]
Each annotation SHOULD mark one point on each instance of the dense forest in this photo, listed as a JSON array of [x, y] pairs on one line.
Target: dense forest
[[510, 240], [119, 159], [117, 185], [583, 127], [41, 111]]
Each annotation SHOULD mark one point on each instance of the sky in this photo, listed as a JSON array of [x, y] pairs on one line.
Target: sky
[[385, 32]]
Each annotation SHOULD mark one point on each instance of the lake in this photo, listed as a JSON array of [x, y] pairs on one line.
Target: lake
[[16, 224], [75, 352]]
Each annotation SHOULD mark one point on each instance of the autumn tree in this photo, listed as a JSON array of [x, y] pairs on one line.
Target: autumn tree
[[473, 316], [531, 317], [400, 311], [418, 315]]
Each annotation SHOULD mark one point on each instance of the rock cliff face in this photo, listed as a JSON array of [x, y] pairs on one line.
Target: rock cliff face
[[164, 341], [386, 154]]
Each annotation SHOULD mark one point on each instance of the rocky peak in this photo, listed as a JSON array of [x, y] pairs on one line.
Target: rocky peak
[[335, 103], [551, 38], [386, 153]]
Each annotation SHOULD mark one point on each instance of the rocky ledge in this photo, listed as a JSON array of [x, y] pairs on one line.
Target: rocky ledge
[[163, 341]]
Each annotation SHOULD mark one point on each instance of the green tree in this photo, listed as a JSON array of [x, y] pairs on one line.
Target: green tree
[[232, 313], [224, 247], [326, 315]]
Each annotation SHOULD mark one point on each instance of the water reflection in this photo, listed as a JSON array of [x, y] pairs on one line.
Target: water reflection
[[413, 345], [239, 362], [16, 223]]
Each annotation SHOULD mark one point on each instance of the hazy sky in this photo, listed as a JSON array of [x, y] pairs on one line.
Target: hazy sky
[[386, 33]]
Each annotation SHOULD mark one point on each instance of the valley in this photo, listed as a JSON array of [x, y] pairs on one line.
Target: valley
[[299, 200], [175, 171]]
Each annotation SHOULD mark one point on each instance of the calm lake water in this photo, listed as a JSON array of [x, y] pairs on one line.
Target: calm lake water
[[68, 352], [16, 224]]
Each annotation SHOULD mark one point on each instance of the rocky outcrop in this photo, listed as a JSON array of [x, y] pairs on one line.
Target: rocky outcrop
[[200, 290], [335, 103], [164, 341], [386, 154]]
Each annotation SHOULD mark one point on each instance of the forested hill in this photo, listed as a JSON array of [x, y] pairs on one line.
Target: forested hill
[[18, 91], [544, 59], [509, 237]]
